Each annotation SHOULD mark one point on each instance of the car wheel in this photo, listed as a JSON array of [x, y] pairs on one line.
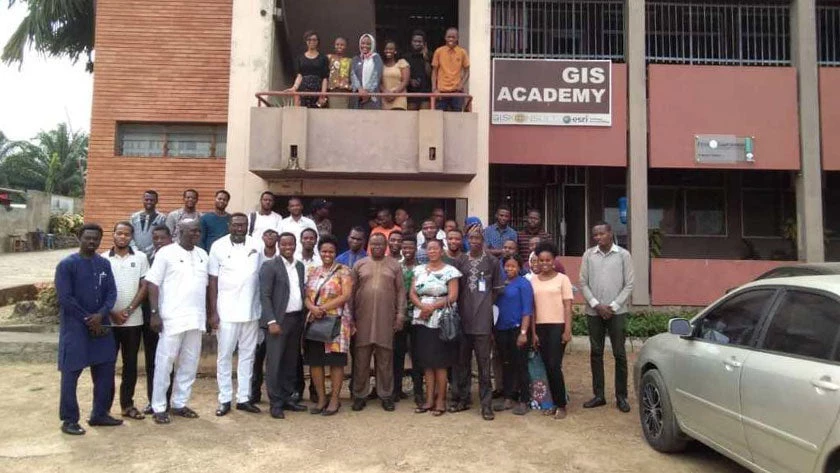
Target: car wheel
[[659, 424]]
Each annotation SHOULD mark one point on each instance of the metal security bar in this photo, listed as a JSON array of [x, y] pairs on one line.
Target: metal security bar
[[828, 34], [733, 33], [557, 29]]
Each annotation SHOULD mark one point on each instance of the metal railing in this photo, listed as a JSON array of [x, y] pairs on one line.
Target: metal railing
[[732, 33], [558, 29], [828, 34], [285, 98]]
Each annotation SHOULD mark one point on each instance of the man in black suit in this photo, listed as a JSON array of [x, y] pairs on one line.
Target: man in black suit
[[281, 294]]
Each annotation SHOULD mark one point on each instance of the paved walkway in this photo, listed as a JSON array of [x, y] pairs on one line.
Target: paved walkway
[[30, 267]]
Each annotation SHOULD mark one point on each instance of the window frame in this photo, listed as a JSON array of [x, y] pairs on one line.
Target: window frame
[[167, 129], [770, 307], [780, 297], [681, 192]]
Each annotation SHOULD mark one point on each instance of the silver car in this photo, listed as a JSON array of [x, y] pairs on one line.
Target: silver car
[[756, 376]]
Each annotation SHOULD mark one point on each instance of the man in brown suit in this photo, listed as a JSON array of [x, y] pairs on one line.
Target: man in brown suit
[[378, 308]]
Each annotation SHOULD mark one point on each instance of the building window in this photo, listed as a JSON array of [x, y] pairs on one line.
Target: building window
[[831, 204], [177, 141], [768, 203], [723, 33], [828, 33], [687, 211], [539, 29]]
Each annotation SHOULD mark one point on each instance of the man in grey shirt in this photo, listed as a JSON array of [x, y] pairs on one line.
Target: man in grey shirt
[[606, 279], [144, 222], [187, 212]]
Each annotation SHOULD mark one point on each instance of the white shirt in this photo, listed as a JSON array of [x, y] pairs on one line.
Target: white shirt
[[441, 235], [128, 271], [263, 257], [309, 264], [295, 297], [181, 276], [263, 223], [295, 227], [238, 269]]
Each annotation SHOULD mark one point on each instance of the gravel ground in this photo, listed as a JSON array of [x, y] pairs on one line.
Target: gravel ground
[[600, 440], [30, 267]]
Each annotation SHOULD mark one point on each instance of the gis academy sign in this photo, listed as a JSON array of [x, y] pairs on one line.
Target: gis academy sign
[[551, 92]]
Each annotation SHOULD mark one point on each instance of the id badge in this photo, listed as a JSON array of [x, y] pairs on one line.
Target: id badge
[[482, 285]]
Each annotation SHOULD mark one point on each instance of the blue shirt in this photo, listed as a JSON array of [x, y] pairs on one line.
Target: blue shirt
[[522, 271], [349, 258], [515, 302], [213, 227], [495, 238]]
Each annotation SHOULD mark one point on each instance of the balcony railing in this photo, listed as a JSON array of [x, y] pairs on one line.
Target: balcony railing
[[288, 97]]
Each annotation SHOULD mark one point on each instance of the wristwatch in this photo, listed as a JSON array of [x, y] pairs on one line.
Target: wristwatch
[[154, 311]]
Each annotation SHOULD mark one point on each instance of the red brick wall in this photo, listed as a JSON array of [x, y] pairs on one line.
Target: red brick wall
[[163, 61]]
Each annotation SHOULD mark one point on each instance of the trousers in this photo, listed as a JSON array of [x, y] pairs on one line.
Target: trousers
[[403, 343], [551, 351], [282, 353], [181, 352], [259, 367], [598, 330], [383, 361], [230, 336], [516, 384], [103, 392], [128, 345], [480, 345]]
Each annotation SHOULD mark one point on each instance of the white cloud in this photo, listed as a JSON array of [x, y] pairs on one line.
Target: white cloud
[[44, 92]]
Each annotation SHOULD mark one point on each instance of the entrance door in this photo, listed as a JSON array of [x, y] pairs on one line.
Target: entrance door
[[574, 217], [396, 19]]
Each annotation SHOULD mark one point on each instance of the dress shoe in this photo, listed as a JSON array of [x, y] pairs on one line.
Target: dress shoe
[[487, 413], [277, 412], [223, 409], [105, 421], [622, 404], [373, 395], [359, 404], [596, 401], [388, 405], [294, 407], [247, 407], [72, 428]]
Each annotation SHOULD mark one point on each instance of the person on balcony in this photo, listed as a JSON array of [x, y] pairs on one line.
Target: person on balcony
[[367, 74], [420, 72], [339, 80], [313, 71], [395, 76], [450, 71]]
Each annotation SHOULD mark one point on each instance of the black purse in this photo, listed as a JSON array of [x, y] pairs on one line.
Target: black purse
[[325, 329], [450, 323]]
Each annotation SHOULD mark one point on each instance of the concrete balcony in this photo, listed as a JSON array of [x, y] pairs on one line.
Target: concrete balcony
[[296, 142]]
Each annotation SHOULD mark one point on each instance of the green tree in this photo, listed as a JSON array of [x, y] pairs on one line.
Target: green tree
[[54, 161], [53, 27], [7, 148]]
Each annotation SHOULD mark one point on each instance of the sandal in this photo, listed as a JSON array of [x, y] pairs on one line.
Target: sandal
[[422, 409], [185, 412], [161, 418], [438, 412], [133, 413]]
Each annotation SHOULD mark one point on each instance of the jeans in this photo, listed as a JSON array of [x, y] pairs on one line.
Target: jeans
[[598, 330], [449, 104], [551, 351]]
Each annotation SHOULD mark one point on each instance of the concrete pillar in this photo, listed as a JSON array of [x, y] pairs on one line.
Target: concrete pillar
[[252, 53], [809, 209], [637, 162], [474, 18]]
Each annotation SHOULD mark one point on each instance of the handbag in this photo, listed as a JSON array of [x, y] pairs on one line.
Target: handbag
[[450, 323], [540, 392], [325, 329]]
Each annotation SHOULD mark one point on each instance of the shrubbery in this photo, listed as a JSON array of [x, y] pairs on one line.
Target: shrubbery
[[66, 224], [642, 324]]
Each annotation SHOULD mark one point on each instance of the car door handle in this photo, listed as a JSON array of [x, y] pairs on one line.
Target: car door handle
[[732, 364], [825, 384]]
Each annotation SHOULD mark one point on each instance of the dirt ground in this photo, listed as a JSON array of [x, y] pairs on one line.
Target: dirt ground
[[600, 440]]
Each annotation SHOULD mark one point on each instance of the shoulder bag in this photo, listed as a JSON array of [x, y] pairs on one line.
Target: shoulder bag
[[325, 329]]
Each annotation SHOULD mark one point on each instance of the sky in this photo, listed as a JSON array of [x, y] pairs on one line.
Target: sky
[[42, 93]]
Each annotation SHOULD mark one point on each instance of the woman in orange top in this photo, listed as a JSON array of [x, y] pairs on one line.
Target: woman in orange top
[[553, 322]]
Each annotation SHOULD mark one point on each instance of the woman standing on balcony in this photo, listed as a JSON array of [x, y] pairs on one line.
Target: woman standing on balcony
[[395, 75], [312, 70], [367, 73], [339, 80]]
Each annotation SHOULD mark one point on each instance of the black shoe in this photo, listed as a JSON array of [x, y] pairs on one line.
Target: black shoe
[[596, 401], [247, 407], [419, 399], [294, 407], [372, 395], [328, 412], [388, 405], [622, 404], [105, 421], [277, 412], [255, 400], [72, 428], [359, 404], [487, 413], [223, 409], [401, 395]]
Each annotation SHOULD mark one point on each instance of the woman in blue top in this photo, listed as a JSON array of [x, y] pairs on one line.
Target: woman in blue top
[[516, 306]]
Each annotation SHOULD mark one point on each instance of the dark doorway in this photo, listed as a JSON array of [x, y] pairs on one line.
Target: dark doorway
[[397, 19], [574, 215]]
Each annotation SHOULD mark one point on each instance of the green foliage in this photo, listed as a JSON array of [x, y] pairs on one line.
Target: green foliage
[[60, 28], [66, 224], [655, 242], [642, 324], [55, 162]]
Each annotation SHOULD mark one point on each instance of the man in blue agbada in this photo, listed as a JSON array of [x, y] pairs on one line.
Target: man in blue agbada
[[86, 294]]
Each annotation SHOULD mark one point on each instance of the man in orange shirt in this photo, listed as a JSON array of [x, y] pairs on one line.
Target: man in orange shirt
[[450, 71], [385, 225]]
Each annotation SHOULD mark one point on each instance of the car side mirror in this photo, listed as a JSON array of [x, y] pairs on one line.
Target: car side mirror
[[681, 327]]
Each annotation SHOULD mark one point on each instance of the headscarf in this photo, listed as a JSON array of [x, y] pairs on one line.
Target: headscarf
[[471, 224], [368, 67]]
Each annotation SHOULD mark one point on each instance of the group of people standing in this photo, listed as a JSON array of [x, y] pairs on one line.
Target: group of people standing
[[277, 291], [445, 72]]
